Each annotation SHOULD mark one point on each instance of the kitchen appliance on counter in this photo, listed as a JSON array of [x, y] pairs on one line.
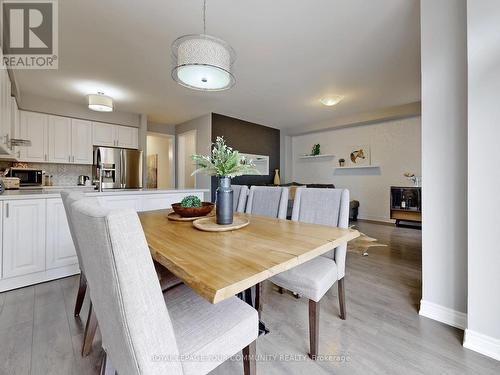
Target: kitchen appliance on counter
[[27, 176], [82, 180], [117, 168]]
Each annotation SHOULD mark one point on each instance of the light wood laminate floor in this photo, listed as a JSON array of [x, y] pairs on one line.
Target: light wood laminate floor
[[383, 333]]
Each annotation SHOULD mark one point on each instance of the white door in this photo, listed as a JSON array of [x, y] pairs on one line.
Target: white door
[[103, 134], [59, 139], [60, 248], [34, 128], [23, 237], [81, 141], [127, 137]]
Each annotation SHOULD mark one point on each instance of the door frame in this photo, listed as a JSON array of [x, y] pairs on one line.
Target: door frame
[[173, 174]]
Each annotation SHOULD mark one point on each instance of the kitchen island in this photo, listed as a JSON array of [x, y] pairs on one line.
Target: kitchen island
[[36, 244]]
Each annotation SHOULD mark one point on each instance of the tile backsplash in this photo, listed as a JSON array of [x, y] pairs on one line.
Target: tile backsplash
[[62, 174]]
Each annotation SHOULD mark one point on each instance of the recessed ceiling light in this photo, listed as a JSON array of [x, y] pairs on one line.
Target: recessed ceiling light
[[100, 102], [331, 100]]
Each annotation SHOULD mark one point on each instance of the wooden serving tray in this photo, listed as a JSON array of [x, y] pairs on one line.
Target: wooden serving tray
[[176, 217], [209, 224]]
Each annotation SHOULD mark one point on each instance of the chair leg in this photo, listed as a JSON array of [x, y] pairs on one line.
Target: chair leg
[[90, 329], [313, 329], [258, 298], [81, 294], [249, 360], [343, 314]]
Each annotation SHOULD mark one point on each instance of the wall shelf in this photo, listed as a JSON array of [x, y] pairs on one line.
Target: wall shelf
[[359, 167], [320, 156]]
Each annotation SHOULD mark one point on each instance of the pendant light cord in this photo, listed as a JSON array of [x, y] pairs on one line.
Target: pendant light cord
[[204, 19]]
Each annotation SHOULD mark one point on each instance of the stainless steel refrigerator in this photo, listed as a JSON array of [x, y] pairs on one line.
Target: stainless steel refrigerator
[[117, 168]]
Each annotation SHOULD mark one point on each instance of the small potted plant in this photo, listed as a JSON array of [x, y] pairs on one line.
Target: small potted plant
[[192, 206], [316, 150], [225, 163], [341, 162]]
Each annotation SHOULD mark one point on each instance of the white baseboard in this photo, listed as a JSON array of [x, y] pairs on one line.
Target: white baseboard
[[443, 314], [483, 344]]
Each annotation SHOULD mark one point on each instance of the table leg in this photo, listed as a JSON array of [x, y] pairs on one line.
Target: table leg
[[247, 297]]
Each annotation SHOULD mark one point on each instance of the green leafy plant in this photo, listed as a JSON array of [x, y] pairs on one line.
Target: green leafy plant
[[191, 201], [316, 149], [223, 162]]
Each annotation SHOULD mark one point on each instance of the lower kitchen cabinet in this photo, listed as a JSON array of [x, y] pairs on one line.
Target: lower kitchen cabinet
[[60, 250], [121, 201], [23, 239]]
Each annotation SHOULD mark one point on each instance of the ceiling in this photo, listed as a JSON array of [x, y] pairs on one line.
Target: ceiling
[[289, 55]]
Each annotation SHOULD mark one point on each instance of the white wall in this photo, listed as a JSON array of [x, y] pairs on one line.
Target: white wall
[[59, 107], [444, 160], [483, 330], [203, 127], [395, 147]]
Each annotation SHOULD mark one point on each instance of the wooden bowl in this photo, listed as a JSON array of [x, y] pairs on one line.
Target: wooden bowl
[[205, 209]]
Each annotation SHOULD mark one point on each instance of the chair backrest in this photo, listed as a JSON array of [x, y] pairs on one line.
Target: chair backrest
[[240, 193], [68, 198], [326, 207], [268, 201], [136, 329]]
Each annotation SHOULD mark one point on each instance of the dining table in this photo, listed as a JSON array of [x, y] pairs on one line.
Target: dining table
[[220, 265]]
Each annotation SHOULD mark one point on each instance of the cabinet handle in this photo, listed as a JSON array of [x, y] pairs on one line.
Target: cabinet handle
[[6, 210], [69, 159], [73, 158], [45, 157]]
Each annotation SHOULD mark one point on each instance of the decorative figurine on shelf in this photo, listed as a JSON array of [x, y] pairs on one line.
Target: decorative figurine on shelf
[[316, 150], [225, 163], [417, 180], [277, 179], [341, 162]]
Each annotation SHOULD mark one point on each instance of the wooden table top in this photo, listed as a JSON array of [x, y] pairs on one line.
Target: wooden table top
[[218, 265]]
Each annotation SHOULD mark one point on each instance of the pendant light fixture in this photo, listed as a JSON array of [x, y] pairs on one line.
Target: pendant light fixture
[[203, 62], [100, 102]]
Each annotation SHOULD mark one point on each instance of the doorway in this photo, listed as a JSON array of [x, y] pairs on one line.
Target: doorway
[[160, 161], [186, 147]]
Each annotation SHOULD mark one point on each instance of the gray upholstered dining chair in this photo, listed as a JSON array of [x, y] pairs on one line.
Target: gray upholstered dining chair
[[240, 194], [267, 201], [167, 279], [68, 198], [315, 277], [145, 332]]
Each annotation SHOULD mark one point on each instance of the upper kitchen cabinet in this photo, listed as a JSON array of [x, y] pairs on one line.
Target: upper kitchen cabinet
[[56, 139], [59, 134], [34, 127], [81, 141], [115, 135], [5, 111]]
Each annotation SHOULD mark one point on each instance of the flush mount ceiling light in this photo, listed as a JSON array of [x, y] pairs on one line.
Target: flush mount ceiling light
[[100, 102], [331, 100], [203, 62]]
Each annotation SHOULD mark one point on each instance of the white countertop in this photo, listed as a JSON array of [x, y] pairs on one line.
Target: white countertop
[[54, 192]]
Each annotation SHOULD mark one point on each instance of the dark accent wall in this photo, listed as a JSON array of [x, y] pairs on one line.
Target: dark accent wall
[[248, 138]]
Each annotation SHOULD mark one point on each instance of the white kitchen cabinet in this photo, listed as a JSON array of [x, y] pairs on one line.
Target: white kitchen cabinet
[[81, 141], [34, 127], [15, 125], [59, 136], [5, 110], [23, 237], [114, 135], [122, 201], [127, 137], [60, 250], [103, 134]]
